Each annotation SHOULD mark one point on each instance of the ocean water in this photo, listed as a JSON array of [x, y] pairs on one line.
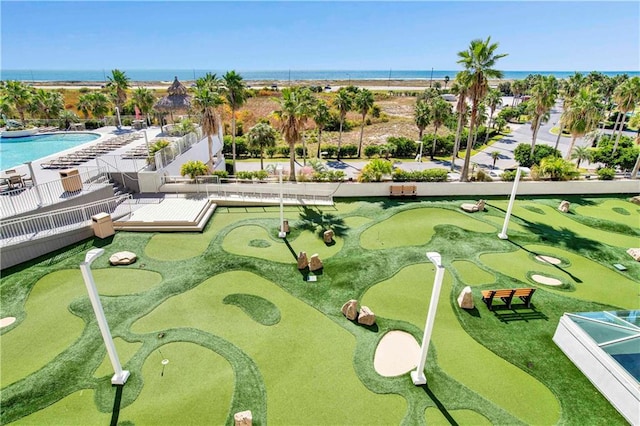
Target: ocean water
[[284, 75]]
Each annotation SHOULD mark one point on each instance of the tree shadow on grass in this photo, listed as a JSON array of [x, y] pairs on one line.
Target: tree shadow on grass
[[115, 412], [317, 221], [558, 267]]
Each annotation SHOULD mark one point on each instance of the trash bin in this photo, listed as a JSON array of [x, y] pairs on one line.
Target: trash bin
[[102, 225], [71, 181]]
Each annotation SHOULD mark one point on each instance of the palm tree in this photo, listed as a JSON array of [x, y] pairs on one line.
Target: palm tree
[[46, 104], [118, 84], [321, 117], [145, 100], [440, 111], [209, 81], [18, 95], [543, 97], [582, 115], [581, 153], [99, 104], [569, 89], [446, 81], [363, 102], [84, 104], [236, 95], [479, 60], [343, 102], [294, 107], [494, 156], [261, 136], [461, 88], [421, 116], [626, 95], [207, 102], [493, 101], [518, 87]]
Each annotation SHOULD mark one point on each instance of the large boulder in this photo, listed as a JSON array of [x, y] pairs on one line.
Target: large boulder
[[328, 236], [122, 258], [465, 300], [472, 208], [243, 418], [564, 206], [635, 200], [366, 316], [350, 309], [303, 262], [635, 253], [315, 262]]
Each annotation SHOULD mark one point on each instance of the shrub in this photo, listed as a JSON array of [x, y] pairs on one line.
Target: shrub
[[127, 122], [606, 173], [481, 176], [194, 168], [331, 150], [271, 151], [428, 175], [348, 150], [93, 124], [333, 124], [222, 174], [522, 154], [241, 146], [371, 150], [509, 175], [555, 168], [404, 147], [374, 170], [283, 150]]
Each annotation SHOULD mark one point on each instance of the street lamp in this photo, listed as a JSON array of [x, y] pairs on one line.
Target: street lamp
[[503, 234], [418, 376], [282, 233], [120, 376], [419, 156]]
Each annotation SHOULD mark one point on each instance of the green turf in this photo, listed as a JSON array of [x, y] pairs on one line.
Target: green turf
[[414, 227], [620, 211], [313, 359], [461, 417]]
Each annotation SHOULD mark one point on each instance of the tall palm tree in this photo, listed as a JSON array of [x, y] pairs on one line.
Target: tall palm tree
[[582, 115], [460, 87], [581, 153], [363, 102], [207, 102], [446, 81], [46, 104], [210, 81], [118, 83], [261, 136], [294, 107], [343, 102], [236, 95], [84, 104], [321, 117], [493, 100], [18, 95], [440, 112], [569, 88], [518, 87], [421, 116], [145, 100], [543, 97], [626, 95], [479, 61], [99, 104]]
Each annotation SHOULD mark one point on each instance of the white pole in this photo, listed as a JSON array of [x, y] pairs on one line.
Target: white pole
[[503, 234], [118, 115], [418, 376], [281, 234], [35, 182], [146, 141], [120, 377]]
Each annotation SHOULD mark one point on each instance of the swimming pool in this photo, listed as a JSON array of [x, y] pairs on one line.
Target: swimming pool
[[16, 151]]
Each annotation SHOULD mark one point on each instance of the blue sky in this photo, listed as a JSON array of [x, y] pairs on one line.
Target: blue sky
[[316, 35]]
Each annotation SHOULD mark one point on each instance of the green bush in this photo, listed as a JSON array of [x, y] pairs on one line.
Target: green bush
[[404, 147], [522, 154], [428, 175], [481, 176], [374, 170], [257, 174], [348, 150], [509, 175], [371, 150], [331, 150], [241, 146], [93, 124], [222, 174], [606, 173], [283, 150], [271, 151], [194, 168]]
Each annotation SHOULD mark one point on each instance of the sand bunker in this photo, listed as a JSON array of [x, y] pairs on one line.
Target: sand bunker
[[396, 354], [549, 259], [545, 280], [7, 321]]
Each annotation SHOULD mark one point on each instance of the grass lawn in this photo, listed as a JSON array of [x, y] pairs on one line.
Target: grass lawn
[[242, 329]]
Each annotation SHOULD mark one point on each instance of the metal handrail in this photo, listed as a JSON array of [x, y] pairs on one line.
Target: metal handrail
[[28, 228]]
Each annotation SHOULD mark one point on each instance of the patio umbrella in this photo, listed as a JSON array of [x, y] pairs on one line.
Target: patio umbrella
[[177, 99]]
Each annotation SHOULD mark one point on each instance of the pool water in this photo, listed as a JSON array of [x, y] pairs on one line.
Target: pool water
[[16, 151]]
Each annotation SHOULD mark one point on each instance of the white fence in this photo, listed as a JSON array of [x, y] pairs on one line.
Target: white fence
[[26, 199], [166, 155], [27, 228]]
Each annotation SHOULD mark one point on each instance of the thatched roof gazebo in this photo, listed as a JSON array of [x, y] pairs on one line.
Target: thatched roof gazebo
[[177, 100]]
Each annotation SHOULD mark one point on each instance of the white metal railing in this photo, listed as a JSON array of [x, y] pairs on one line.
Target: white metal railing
[[27, 228], [25, 199]]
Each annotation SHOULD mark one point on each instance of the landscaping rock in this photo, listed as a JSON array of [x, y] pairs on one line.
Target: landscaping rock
[[472, 208], [123, 258], [564, 206], [635, 200], [350, 309], [303, 262], [635, 253], [243, 418], [328, 236], [366, 317], [315, 262], [465, 300]]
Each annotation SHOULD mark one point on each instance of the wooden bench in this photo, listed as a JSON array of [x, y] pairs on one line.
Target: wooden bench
[[403, 190], [525, 294]]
